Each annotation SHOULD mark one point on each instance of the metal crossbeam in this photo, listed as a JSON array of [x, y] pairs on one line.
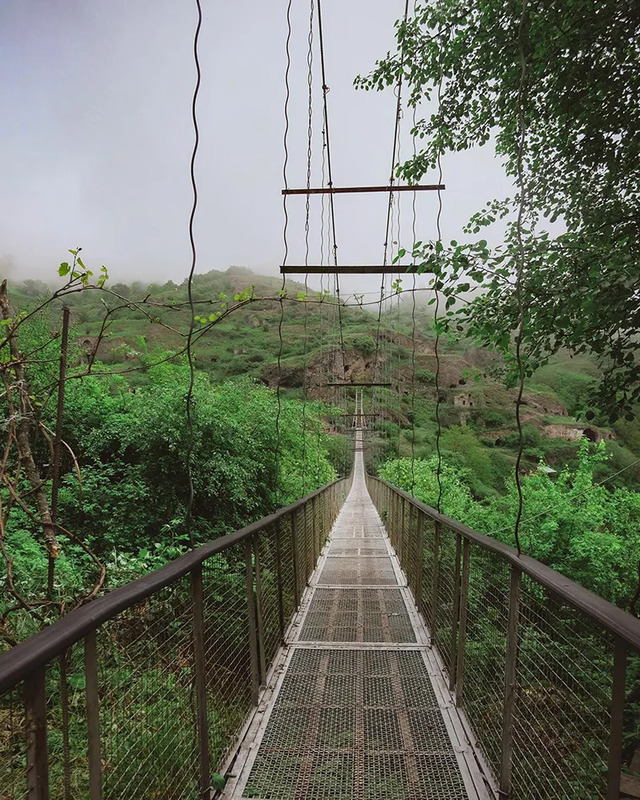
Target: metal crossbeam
[[376, 269], [428, 187]]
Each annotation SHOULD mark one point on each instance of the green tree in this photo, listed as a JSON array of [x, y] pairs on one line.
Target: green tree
[[577, 95]]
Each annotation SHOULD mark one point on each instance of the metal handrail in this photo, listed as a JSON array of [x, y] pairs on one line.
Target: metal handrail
[[541, 677], [27, 657], [196, 637], [610, 617]]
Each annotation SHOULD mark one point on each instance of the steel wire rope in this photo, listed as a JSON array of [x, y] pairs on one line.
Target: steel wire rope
[[520, 265], [414, 218], [398, 299], [285, 241], [437, 281], [194, 258], [323, 233], [332, 213], [388, 223], [306, 244]]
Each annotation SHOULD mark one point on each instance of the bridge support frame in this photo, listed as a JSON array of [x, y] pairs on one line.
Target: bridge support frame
[[510, 683], [614, 767], [200, 681], [36, 724], [435, 576], [253, 638], [456, 615], [279, 579], [462, 629]]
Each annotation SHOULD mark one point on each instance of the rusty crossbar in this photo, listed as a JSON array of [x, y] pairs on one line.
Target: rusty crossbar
[[373, 269], [426, 187], [537, 664]]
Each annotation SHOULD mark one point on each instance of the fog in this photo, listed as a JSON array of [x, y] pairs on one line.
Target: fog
[[96, 137]]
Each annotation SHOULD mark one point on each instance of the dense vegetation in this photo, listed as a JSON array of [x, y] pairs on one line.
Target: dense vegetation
[[576, 527], [126, 495]]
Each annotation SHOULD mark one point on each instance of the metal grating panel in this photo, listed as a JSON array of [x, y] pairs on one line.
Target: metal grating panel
[[356, 724], [358, 572], [357, 615]]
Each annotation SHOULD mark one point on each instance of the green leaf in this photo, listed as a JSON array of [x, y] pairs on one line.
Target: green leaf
[[218, 781]]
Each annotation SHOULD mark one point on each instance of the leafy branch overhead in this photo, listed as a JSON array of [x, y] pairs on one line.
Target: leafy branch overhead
[[580, 287]]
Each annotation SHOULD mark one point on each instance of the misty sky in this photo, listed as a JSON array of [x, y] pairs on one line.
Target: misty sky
[[96, 136]]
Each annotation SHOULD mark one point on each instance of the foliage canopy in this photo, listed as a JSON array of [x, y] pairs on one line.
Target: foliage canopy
[[581, 288]]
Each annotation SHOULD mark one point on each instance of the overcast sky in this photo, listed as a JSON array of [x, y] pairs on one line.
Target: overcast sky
[[96, 136]]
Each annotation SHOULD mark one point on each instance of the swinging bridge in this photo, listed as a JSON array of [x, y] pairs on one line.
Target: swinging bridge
[[355, 645]]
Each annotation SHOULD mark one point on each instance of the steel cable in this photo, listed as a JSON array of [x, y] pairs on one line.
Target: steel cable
[[286, 252], [306, 243], [414, 217], [388, 223], [332, 213], [194, 207], [520, 267], [436, 319]]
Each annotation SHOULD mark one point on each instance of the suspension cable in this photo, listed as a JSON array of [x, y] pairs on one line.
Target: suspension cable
[[388, 222], [436, 319], [194, 207], [286, 250], [414, 218], [332, 213], [520, 266], [306, 243], [323, 233]]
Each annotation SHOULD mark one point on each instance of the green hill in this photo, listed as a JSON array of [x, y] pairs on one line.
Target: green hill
[[146, 323]]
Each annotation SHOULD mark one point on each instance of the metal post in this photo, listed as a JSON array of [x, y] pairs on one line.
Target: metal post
[[260, 608], [462, 635], [314, 529], [435, 580], [392, 519], [617, 713], [279, 579], [200, 681], [294, 553], [412, 568], [510, 683], [253, 641], [93, 715], [36, 725], [456, 615], [401, 532], [419, 559], [64, 708]]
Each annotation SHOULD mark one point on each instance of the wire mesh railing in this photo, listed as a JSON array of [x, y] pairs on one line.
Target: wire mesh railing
[[143, 692], [546, 674]]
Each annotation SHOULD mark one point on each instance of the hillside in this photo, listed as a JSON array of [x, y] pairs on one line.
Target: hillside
[[477, 410]]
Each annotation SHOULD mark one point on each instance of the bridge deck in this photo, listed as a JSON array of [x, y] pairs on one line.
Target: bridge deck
[[356, 707]]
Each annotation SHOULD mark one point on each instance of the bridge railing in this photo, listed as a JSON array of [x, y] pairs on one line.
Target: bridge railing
[[141, 693], [547, 673]]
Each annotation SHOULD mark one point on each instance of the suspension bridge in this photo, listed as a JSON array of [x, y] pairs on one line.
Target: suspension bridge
[[355, 645]]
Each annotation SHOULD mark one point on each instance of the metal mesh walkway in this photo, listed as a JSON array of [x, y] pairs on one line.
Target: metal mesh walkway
[[357, 709]]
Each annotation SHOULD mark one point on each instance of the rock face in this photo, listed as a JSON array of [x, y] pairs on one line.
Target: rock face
[[464, 400], [573, 433]]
